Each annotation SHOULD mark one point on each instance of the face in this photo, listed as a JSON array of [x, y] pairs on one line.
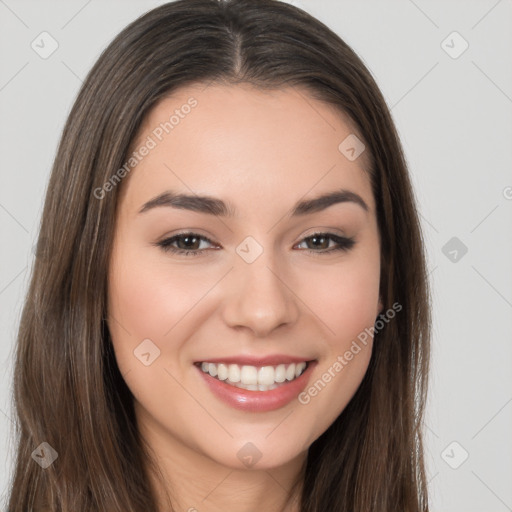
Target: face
[[216, 306]]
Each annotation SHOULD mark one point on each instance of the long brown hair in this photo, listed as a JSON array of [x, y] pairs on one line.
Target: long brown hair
[[68, 391]]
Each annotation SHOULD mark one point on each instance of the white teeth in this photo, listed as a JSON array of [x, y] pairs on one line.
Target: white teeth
[[280, 373], [248, 375], [234, 373], [222, 372], [212, 369], [299, 368], [290, 372], [263, 378], [266, 376]]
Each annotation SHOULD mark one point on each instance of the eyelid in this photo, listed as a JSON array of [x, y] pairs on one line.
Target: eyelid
[[324, 230]]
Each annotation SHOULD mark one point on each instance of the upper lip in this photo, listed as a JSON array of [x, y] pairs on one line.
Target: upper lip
[[246, 360]]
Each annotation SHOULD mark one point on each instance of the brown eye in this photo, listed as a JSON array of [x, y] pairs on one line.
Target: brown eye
[[187, 244], [322, 240]]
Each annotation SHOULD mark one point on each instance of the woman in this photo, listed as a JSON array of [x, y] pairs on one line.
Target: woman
[[233, 308]]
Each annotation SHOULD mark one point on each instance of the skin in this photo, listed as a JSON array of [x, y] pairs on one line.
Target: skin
[[263, 152]]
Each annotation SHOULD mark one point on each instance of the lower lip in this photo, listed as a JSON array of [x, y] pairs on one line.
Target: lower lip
[[258, 401]]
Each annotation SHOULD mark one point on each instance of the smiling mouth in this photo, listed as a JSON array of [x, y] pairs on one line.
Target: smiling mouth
[[254, 378]]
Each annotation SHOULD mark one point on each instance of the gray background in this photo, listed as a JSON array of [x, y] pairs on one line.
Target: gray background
[[454, 118]]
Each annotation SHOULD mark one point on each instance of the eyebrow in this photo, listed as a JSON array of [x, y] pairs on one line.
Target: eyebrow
[[214, 206]]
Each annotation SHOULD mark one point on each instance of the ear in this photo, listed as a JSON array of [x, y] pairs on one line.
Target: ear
[[381, 305]]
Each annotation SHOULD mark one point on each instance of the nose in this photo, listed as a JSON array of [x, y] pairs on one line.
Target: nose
[[259, 298]]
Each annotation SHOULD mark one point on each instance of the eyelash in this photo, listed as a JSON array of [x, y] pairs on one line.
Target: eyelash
[[344, 244]]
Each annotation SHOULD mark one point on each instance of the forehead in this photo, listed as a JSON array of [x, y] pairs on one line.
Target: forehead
[[249, 143]]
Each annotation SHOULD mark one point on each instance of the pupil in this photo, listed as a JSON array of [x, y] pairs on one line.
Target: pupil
[[187, 240], [316, 238]]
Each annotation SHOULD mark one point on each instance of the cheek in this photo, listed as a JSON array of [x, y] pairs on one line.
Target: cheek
[[347, 303], [352, 305], [345, 296], [149, 301]]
